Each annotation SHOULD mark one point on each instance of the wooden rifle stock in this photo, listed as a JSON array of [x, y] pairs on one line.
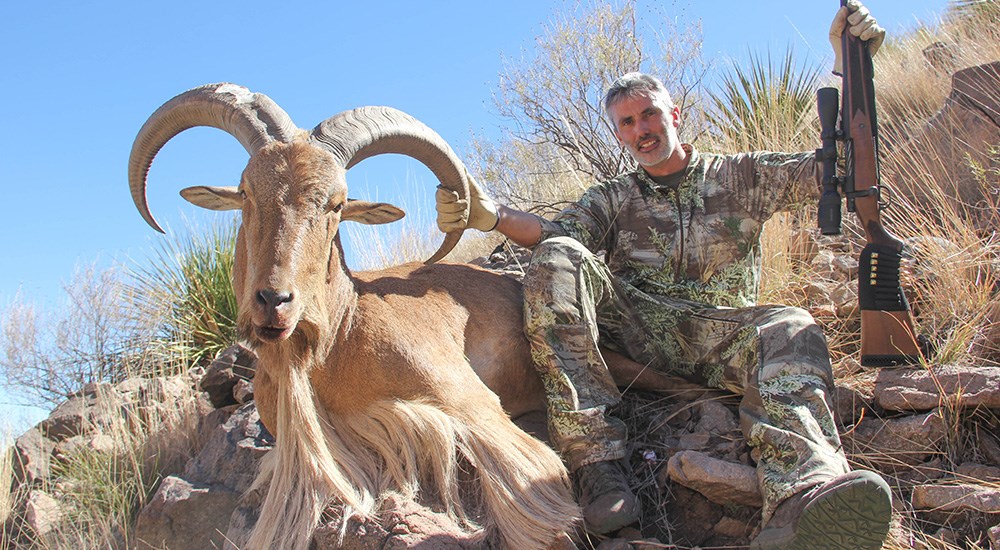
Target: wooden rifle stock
[[888, 337]]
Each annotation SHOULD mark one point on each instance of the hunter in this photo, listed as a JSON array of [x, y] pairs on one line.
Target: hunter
[[662, 264]]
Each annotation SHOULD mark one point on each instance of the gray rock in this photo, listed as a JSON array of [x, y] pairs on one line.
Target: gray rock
[[719, 481], [897, 443], [42, 513], [96, 442], [68, 418], [979, 88], [968, 471], [32, 456], [941, 56], [243, 391], [186, 515], [956, 498], [232, 451], [164, 390], [957, 133], [92, 410], [235, 363], [213, 481], [990, 447], [845, 299], [822, 266], [401, 524], [734, 528], [919, 389], [846, 264], [694, 441], [921, 474], [716, 418], [244, 518], [850, 403]]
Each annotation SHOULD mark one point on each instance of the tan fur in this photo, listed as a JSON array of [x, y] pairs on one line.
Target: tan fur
[[386, 381], [379, 386]]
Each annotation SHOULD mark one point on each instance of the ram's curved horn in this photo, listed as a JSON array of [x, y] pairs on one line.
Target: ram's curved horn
[[365, 132], [251, 118]]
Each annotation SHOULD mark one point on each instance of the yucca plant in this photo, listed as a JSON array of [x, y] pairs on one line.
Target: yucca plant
[[767, 106], [187, 290]]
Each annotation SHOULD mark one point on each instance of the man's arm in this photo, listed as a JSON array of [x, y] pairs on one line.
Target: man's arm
[[524, 228], [783, 179]]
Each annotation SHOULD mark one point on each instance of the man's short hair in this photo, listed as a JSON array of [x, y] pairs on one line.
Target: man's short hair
[[634, 84]]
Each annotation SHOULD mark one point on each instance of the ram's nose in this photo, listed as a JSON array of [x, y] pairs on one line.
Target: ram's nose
[[271, 300], [276, 319]]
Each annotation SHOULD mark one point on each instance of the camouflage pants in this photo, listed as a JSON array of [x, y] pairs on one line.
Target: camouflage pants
[[775, 357]]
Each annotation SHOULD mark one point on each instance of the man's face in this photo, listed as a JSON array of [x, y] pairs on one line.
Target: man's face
[[647, 126]]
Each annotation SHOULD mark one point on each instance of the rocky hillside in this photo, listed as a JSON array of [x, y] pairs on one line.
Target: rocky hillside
[[932, 432], [690, 464]]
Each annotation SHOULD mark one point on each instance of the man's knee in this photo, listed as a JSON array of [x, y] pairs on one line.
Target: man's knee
[[793, 335], [559, 252], [810, 329], [795, 323], [555, 263]]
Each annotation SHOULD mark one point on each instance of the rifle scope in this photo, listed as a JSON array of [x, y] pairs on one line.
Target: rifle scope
[[828, 104]]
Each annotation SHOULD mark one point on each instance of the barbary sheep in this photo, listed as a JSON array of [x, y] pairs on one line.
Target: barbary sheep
[[377, 381]]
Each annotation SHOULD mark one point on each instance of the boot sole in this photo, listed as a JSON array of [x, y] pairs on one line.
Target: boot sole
[[856, 516]]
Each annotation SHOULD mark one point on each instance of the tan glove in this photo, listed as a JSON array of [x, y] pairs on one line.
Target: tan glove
[[861, 24], [482, 210]]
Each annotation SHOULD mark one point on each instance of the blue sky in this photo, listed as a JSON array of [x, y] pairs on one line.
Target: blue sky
[[78, 79]]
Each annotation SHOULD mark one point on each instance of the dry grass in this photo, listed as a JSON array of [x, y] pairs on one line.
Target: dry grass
[[945, 205], [103, 483], [6, 482]]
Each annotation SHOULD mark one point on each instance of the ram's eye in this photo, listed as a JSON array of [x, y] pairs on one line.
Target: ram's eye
[[242, 192], [337, 207]]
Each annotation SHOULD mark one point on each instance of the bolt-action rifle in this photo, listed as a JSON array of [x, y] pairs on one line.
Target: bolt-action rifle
[[887, 334]]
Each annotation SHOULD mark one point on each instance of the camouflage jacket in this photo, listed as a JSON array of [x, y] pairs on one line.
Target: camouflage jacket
[[698, 240]]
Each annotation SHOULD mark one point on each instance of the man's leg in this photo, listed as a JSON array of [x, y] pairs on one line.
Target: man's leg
[[778, 359], [566, 291]]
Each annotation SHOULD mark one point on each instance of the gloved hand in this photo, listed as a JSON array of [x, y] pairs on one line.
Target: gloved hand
[[482, 210], [861, 23]]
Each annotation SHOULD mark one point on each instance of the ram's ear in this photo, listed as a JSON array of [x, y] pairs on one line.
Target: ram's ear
[[213, 198], [370, 213]]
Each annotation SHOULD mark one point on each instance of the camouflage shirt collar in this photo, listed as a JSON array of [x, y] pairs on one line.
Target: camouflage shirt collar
[[648, 184]]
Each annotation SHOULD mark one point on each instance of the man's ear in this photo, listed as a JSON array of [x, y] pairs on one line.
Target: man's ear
[[213, 198], [370, 213]]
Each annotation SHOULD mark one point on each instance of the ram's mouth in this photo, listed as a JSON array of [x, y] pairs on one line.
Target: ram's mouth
[[272, 333]]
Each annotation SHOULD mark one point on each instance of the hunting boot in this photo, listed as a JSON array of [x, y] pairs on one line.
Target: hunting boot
[[608, 503], [852, 511]]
